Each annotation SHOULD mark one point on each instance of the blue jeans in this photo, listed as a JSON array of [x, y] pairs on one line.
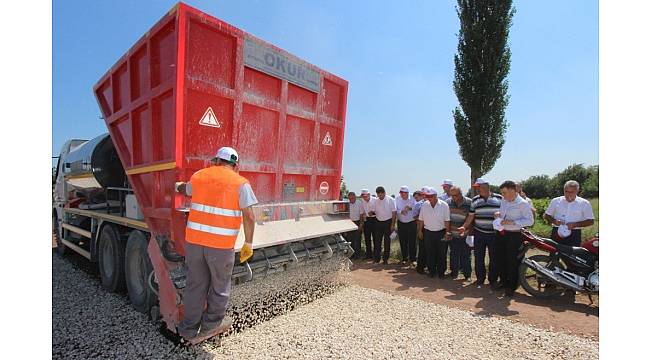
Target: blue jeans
[[483, 241], [459, 257]]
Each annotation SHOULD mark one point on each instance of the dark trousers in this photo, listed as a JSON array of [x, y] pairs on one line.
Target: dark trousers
[[422, 255], [407, 233], [506, 248], [354, 237], [368, 233], [459, 257], [382, 232], [436, 250], [209, 274], [575, 239], [483, 241]]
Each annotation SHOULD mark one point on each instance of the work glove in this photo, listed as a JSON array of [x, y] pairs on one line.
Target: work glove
[[245, 253]]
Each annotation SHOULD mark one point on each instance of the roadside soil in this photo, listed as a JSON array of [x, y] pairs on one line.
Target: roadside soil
[[562, 314]]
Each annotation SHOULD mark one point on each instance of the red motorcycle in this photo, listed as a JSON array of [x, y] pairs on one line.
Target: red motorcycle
[[559, 268]]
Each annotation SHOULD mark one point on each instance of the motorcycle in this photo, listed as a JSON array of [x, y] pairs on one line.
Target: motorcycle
[[562, 268]]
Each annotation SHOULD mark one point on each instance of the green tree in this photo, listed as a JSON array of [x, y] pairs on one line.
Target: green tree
[[344, 189], [481, 67], [536, 186], [590, 187], [575, 172]]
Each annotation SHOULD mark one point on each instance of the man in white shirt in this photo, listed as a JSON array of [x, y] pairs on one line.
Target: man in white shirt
[[369, 223], [357, 215], [433, 227], [446, 187], [515, 214], [384, 209], [572, 211], [406, 225]]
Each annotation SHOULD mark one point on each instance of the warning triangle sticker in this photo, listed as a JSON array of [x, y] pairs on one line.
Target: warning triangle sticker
[[209, 119], [327, 140]]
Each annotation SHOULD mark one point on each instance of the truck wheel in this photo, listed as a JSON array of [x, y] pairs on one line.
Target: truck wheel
[[57, 233], [111, 259], [137, 269]]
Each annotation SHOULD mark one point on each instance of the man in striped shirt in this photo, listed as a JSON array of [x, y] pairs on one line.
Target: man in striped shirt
[[459, 256], [481, 216]]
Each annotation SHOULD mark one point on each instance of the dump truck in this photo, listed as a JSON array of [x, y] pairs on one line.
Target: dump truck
[[189, 86]]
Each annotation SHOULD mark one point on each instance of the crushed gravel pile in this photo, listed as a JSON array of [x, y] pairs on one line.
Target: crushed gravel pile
[[351, 322]]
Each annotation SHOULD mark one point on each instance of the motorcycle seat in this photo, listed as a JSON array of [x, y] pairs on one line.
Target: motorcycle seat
[[573, 250]]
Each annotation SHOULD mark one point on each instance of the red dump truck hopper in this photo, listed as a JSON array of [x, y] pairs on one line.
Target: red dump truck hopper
[[194, 83]]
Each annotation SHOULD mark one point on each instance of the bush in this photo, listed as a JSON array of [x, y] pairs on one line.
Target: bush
[[590, 188], [540, 207]]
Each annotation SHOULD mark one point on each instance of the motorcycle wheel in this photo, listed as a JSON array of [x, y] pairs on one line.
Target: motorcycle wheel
[[538, 285]]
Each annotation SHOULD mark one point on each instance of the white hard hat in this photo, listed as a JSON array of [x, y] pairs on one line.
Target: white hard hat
[[563, 231], [429, 190], [227, 154], [447, 182], [479, 182], [365, 192], [404, 188], [496, 224]]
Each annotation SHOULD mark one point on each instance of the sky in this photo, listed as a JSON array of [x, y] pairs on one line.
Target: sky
[[398, 60]]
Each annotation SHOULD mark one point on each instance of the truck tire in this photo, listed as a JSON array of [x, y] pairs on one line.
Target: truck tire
[[57, 233], [137, 270], [111, 259]]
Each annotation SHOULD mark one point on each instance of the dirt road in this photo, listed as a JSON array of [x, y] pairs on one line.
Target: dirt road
[[557, 315]]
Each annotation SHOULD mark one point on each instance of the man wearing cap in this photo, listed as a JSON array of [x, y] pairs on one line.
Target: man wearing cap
[[220, 196], [386, 212], [446, 187], [357, 215], [433, 227], [514, 214], [569, 213], [479, 222], [370, 221], [422, 255], [459, 256], [406, 225]]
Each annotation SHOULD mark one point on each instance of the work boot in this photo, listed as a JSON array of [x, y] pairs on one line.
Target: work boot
[[224, 325]]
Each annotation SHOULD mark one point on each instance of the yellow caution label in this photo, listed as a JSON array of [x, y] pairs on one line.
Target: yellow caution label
[[300, 189]]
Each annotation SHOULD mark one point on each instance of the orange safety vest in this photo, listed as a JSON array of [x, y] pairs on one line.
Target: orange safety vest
[[215, 216]]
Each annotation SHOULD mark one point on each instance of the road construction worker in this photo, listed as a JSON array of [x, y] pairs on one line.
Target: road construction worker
[[220, 199]]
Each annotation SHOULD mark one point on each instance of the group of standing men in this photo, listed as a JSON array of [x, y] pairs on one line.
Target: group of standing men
[[439, 223]]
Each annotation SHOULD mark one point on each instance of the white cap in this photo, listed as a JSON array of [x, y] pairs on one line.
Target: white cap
[[447, 182], [479, 182], [496, 224], [430, 191], [228, 154], [563, 231], [365, 192], [404, 188]]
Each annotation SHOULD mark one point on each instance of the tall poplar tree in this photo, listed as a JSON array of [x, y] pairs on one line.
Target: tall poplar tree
[[481, 68]]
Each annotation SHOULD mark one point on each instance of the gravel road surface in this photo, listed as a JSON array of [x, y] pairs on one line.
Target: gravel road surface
[[353, 322]]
